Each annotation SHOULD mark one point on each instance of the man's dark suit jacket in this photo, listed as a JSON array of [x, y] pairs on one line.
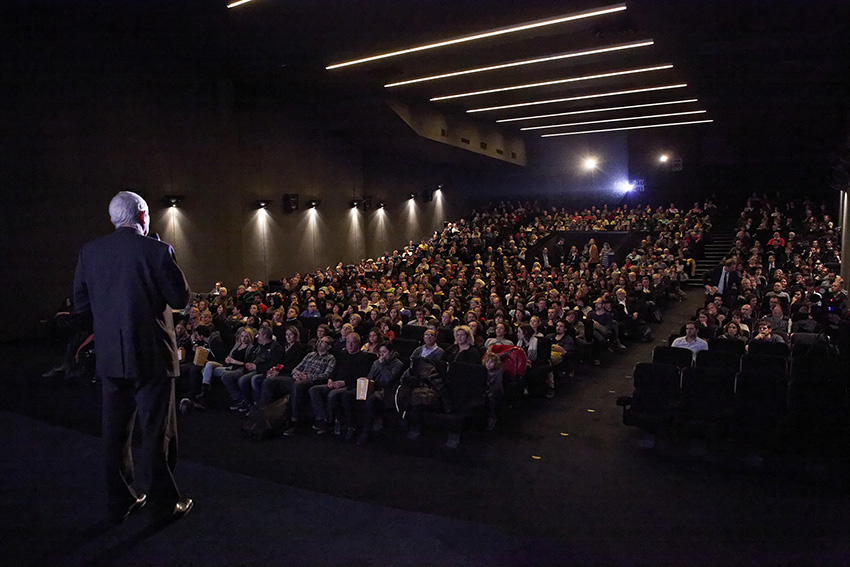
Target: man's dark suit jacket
[[128, 281], [733, 284]]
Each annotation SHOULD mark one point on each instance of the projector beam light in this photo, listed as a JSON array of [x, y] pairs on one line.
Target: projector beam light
[[524, 62], [626, 128], [593, 110], [484, 35], [572, 98], [555, 82], [569, 125]]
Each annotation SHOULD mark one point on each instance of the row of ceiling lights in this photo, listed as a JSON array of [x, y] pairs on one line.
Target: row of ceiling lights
[[576, 54], [522, 27]]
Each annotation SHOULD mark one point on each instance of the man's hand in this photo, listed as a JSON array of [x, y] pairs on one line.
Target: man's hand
[[250, 366], [338, 384], [299, 375]]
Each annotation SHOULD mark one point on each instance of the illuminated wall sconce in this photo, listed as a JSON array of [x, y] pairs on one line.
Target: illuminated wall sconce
[[172, 200], [355, 203], [381, 204], [440, 187], [313, 203], [263, 203], [411, 196]]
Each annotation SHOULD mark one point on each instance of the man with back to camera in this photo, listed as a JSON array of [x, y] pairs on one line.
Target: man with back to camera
[[129, 283]]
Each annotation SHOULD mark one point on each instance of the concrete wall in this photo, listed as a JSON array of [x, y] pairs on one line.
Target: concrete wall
[[71, 143]]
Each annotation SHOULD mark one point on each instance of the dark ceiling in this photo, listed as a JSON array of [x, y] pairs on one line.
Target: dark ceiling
[[773, 75]]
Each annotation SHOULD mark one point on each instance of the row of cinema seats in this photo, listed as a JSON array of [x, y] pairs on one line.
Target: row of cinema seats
[[761, 395], [467, 383]]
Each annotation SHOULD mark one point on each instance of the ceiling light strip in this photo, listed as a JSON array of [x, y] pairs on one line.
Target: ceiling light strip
[[484, 35], [572, 98], [593, 110], [626, 128], [555, 82], [525, 62], [614, 120], [239, 2]]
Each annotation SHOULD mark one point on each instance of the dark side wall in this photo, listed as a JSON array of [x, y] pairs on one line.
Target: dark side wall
[[73, 141]]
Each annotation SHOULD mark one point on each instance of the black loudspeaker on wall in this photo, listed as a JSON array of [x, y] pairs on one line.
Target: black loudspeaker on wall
[[290, 202]]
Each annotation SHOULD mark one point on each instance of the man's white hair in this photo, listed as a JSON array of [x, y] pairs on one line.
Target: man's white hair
[[124, 208]]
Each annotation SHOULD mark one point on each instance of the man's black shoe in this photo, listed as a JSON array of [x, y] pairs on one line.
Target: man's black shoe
[[120, 516]]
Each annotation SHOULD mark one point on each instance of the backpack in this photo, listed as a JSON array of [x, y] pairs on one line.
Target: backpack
[[268, 421], [514, 359]]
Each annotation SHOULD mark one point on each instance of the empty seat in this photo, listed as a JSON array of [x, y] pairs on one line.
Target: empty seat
[[819, 408], [466, 385], [706, 400], [764, 363], [310, 325], [718, 359], [656, 391], [414, 332], [765, 347], [404, 348], [727, 345], [760, 402], [816, 367], [678, 357]]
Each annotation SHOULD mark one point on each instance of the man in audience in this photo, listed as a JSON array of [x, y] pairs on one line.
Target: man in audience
[[315, 368], [690, 341], [269, 354], [326, 399], [385, 374], [766, 334]]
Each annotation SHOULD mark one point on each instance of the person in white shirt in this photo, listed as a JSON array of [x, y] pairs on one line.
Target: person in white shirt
[[691, 341]]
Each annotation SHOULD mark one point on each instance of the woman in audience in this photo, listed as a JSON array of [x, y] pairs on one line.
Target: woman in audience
[[233, 363], [463, 349], [732, 331], [374, 342]]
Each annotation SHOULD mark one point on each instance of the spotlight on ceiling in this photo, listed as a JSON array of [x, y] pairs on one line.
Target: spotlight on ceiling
[[590, 163], [172, 200], [263, 203], [664, 158]]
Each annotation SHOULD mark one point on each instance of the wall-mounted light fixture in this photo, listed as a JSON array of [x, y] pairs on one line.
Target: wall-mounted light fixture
[[313, 203], [290, 202], [381, 204], [411, 196], [263, 203], [355, 203], [172, 200]]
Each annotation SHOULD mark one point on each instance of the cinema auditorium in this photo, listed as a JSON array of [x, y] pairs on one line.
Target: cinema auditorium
[[469, 282]]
